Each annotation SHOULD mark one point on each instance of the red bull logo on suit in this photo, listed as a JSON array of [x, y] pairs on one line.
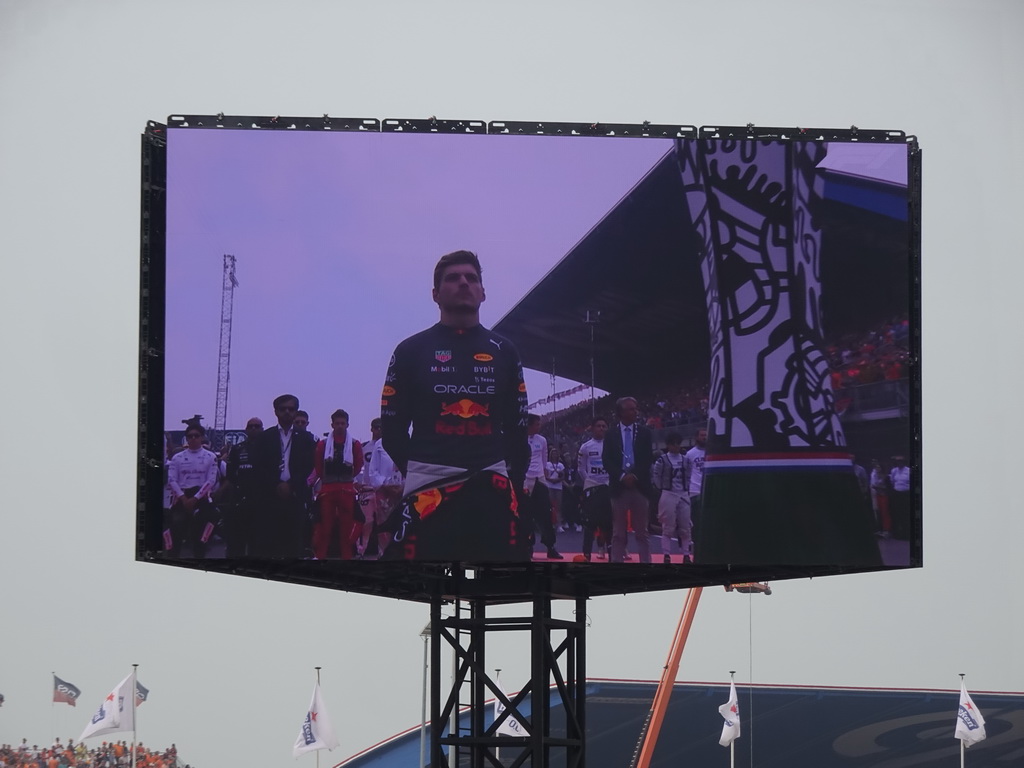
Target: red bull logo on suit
[[465, 409], [475, 418]]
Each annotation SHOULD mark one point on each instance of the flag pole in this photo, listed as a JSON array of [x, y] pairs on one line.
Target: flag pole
[[425, 634], [732, 744], [962, 748], [318, 685], [135, 683], [497, 676]]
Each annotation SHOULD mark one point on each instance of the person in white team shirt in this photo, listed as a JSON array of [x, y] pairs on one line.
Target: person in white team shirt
[[596, 503], [554, 477], [381, 486], [535, 490], [693, 469], [191, 476], [674, 504]]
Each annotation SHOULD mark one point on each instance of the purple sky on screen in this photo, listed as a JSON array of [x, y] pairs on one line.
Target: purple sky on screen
[[336, 236]]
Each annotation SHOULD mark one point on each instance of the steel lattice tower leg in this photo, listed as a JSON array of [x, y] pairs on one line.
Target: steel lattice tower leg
[[550, 707]]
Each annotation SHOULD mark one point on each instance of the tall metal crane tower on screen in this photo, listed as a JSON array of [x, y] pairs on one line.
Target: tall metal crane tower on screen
[[227, 302]]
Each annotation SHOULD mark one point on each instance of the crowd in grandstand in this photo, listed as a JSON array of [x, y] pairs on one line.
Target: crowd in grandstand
[[881, 354], [112, 754]]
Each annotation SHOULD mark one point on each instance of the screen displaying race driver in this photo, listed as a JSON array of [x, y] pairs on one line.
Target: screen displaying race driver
[[391, 346]]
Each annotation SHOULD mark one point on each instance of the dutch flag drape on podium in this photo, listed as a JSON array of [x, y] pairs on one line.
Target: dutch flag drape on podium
[[970, 725], [316, 732]]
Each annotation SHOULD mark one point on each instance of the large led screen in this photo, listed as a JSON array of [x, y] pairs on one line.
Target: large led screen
[[687, 350]]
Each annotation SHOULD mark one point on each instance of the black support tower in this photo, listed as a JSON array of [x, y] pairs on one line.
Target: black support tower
[[557, 669]]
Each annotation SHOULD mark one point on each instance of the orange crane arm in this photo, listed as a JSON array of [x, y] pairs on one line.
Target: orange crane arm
[[652, 726]]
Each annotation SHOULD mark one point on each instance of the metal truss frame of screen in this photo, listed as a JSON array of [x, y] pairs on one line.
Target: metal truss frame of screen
[[755, 291]]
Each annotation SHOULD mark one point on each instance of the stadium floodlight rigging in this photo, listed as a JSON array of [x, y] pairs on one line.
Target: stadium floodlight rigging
[[227, 302]]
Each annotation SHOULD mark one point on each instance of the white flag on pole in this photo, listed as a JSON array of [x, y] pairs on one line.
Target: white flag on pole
[[115, 713], [970, 725], [511, 726], [316, 732], [730, 711]]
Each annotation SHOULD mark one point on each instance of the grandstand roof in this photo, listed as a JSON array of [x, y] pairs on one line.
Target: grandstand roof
[[784, 726], [639, 268]]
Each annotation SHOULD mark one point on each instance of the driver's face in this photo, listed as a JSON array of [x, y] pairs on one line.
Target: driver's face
[[460, 289]]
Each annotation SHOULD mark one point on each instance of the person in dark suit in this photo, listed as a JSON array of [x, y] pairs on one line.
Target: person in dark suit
[[628, 456], [282, 464]]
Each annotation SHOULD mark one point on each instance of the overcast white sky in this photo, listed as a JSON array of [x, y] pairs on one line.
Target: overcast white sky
[[229, 662]]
